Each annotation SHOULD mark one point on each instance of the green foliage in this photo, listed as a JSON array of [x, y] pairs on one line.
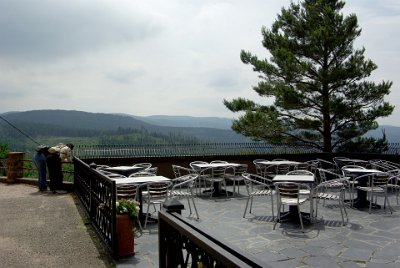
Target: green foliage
[[366, 145], [315, 80], [128, 206], [3, 150]]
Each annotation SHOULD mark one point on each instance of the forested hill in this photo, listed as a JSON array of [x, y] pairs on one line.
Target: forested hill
[[49, 126], [53, 126]]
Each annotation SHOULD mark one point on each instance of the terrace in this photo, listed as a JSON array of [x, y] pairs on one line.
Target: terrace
[[368, 240]]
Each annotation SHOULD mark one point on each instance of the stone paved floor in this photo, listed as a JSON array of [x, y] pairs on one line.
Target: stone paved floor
[[368, 240]]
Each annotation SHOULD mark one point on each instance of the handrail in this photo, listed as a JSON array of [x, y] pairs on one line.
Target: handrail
[[172, 150], [201, 149], [97, 194], [183, 245]]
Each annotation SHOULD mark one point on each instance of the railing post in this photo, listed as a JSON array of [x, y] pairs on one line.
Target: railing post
[[173, 205], [15, 165]]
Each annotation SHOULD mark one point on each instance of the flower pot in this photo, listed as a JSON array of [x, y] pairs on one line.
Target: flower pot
[[125, 236]]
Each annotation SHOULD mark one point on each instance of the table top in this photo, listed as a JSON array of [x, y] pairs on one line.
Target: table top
[[122, 168], [279, 162], [361, 170], [141, 179], [211, 165], [293, 178]]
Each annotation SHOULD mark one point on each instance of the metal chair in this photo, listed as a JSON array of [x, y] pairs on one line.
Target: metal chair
[[179, 171], [215, 179], [328, 191], [154, 193], [201, 172], [378, 186], [144, 165], [288, 193], [184, 187], [236, 176], [257, 186], [129, 191]]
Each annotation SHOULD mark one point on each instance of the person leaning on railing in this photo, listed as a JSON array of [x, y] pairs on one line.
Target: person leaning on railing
[[57, 154], [39, 158]]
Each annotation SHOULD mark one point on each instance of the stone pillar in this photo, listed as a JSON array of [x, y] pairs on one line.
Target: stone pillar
[[15, 166]]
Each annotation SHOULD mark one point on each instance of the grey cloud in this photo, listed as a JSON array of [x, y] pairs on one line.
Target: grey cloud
[[46, 29], [126, 77]]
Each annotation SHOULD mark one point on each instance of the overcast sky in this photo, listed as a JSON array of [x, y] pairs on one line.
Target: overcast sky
[[151, 57]]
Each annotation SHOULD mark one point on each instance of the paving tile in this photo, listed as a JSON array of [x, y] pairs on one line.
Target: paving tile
[[366, 241]]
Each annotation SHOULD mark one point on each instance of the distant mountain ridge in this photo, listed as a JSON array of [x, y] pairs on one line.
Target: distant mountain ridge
[[207, 129], [187, 121], [112, 122]]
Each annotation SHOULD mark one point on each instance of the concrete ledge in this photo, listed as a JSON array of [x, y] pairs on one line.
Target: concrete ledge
[[67, 186]]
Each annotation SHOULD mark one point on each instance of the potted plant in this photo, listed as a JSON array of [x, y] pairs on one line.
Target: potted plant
[[127, 213]]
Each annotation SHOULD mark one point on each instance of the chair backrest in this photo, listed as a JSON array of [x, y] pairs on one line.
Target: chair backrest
[[127, 191], [239, 170], [251, 179], [152, 170], [346, 173], [282, 169], [180, 171], [326, 175], [259, 160], [300, 172], [144, 165], [302, 166], [157, 190], [142, 174], [380, 179], [218, 172], [288, 189], [325, 164], [111, 175], [184, 182], [218, 161], [194, 167]]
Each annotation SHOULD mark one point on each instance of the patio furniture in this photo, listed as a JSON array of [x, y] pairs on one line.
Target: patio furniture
[[180, 171], [257, 186], [184, 187], [301, 172], [154, 193], [216, 179], [123, 170], [199, 168], [377, 186], [236, 176], [332, 180], [143, 165], [328, 191], [288, 193], [359, 177]]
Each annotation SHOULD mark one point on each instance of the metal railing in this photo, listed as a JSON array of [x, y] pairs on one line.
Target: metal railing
[[183, 245], [205, 149], [97, 194], [171, 150]]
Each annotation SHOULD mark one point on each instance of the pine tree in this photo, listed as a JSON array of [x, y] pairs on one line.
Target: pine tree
[[315, 79]]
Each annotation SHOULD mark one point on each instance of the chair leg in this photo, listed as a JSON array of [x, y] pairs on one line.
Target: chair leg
[[195, 208], [272, 203], [370, 202], [147, 216], [247, 203], [190, 207], [301, 220], [279, 215], [251, 203]]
